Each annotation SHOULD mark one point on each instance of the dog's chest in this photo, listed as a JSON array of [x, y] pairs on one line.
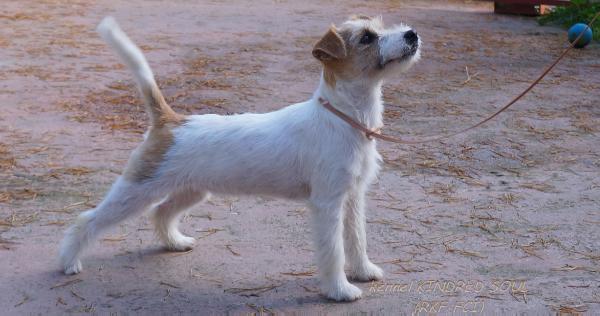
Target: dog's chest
[[367, 162]]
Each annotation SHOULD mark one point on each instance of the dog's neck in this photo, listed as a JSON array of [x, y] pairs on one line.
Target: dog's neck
[[359, 100]]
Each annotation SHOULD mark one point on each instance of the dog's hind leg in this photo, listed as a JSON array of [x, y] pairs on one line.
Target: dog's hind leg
[[124, 200], [166, 217]]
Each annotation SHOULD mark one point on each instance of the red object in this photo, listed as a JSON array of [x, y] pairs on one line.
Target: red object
[[526, 7]]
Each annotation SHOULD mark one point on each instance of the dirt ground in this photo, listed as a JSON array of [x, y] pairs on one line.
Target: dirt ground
[[501, 220]]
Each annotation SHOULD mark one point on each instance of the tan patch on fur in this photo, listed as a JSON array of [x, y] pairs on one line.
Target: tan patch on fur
[[354, 60], [329, 76], [147, 157], [330, 47], [360, 17], [160, 112]]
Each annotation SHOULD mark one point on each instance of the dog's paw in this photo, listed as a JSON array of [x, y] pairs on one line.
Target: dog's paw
[[368, 272], [182, 243], [73, 268], [342, 291]]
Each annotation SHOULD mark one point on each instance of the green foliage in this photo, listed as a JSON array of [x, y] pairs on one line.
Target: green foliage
[[580, 11]]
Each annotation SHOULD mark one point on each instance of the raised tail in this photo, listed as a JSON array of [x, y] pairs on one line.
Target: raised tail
[[158, 109]]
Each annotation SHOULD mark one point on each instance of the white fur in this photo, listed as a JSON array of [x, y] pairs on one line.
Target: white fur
[[133, 57], [299, 152], [393, 46]]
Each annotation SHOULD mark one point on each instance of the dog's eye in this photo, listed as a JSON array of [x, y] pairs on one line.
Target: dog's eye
[[368, 38]]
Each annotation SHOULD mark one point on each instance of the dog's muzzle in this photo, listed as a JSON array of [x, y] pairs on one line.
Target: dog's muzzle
[[411, 41]]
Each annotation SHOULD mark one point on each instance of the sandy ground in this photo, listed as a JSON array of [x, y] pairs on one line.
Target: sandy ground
[[501, 220]]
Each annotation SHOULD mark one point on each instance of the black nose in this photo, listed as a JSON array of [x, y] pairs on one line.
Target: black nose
[[411, 37]]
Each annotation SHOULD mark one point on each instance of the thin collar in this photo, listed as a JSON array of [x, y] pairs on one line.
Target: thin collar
[[369, 133]]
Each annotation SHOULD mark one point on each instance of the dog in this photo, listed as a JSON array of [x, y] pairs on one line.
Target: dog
[[301, 152]]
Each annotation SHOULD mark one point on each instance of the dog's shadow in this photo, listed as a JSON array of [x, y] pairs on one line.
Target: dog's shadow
[[158, 275], [153, 279]]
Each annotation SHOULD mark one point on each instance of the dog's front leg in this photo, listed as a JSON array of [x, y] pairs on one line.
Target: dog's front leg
[[328, 226], [355, 240]]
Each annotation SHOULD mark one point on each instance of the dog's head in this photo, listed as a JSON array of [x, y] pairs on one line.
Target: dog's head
[[362, 49]]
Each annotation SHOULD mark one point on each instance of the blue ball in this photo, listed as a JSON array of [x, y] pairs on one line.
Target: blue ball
[[574, 32]]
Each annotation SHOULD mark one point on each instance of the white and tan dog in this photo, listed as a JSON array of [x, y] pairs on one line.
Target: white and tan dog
[[302, 151]]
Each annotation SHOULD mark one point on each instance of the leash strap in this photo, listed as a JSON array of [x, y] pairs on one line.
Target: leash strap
[[376, 133]]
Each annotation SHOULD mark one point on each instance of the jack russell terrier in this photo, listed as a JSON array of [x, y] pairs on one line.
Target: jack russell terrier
[[302, 151]]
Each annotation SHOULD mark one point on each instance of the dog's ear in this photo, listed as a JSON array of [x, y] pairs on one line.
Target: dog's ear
[[330, 47]]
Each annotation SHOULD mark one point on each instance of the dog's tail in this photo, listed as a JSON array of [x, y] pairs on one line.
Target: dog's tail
[[158, 109]]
